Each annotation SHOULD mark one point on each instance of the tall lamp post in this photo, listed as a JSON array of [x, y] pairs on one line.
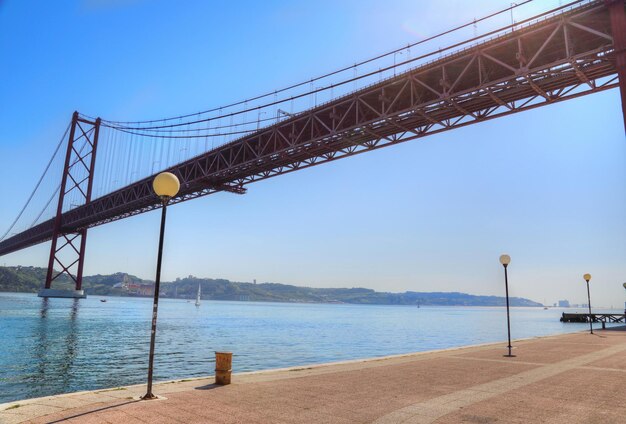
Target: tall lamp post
[[505, 260], [624, 304], [166, 186], [587, 277]]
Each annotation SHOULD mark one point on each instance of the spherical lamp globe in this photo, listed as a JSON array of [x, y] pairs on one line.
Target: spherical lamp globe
[[587, 277], [505, 259], [166, 185], [624, 285]]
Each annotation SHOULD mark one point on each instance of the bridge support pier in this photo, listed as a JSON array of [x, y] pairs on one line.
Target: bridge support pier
[[618, 30], [67, 250], [74, 294]]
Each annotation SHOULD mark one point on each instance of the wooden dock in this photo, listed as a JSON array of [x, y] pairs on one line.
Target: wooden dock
[[601, 318]]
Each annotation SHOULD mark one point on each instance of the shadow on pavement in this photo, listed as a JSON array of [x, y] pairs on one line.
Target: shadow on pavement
[[208, 387], [93, 411]]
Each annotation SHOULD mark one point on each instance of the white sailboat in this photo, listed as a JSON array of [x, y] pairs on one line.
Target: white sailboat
[[198, 296]]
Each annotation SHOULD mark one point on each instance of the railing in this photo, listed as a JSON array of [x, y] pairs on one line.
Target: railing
[[601, 318]]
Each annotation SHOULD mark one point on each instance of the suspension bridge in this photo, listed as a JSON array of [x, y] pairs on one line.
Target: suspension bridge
[[108, 166]]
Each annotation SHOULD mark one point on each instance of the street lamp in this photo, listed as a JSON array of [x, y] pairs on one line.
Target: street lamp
[[624, 303], [587, 277], [505, 260], [166, 186]]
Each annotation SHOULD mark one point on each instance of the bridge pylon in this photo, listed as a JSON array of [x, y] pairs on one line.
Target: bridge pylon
[[618, 30], [67, 250]]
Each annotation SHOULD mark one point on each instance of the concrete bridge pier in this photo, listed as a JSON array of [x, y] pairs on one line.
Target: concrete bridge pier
[[73, 294]]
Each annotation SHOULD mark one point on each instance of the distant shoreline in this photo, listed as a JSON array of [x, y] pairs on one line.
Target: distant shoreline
[[297, 302], [596, 308], [29, 280]]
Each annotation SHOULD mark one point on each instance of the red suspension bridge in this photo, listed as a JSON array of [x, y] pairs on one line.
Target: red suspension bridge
[[571, 51]]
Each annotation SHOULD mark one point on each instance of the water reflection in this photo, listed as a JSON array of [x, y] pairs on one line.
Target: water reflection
[[71, 346], [40, 338], [45, 304], [56, 341]]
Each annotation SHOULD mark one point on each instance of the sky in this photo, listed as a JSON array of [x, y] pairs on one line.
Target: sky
[[547, 186]]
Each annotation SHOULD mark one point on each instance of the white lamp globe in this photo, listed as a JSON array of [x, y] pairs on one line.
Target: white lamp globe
[[166, 185], [505, 259], [587, 277]]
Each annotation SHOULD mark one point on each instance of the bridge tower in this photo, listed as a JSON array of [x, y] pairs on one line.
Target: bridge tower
[[618, 29], [67, 251]]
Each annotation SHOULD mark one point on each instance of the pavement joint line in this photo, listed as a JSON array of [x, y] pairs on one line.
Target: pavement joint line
[[429, 411], [594, 368], [504, 361]]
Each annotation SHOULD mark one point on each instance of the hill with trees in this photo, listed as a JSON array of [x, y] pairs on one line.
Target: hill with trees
[[30, 279]]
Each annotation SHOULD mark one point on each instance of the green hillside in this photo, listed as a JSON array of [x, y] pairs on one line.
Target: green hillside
[[30, 279]]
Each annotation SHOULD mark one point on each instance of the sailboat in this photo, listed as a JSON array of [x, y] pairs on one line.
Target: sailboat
[[198, 296]]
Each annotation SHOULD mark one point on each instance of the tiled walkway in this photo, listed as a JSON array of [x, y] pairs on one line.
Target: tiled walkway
[[575, 378]]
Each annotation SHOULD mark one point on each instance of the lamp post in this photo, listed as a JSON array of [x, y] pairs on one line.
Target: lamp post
[[624, 303], [505, 260], [166, 186], [587, 277]]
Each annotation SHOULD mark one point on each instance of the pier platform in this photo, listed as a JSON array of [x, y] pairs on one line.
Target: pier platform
[[573, 378], [601, 318]]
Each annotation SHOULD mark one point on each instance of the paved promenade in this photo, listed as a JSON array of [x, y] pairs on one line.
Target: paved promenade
[[575, 378]]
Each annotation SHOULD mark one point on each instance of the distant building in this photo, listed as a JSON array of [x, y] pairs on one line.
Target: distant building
[[563, 303], [145, 290]]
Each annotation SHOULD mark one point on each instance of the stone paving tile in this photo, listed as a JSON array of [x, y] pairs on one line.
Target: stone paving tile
[[13, 418], [33, 410], [64, 402], [529, 352], [575, 396], [80, 412], [94, 397], [616, 361]]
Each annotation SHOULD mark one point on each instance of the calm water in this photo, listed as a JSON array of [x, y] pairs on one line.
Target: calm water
[[65, 345]]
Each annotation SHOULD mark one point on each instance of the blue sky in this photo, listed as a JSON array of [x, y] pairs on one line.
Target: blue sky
[[546, 186]]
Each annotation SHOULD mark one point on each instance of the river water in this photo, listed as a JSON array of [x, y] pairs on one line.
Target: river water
[[51, 346]]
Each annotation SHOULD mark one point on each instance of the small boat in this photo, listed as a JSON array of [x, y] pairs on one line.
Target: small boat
[[103, 300], [198, 295]]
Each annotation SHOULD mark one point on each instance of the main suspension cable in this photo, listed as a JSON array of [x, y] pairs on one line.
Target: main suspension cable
[[19, 215], [132, 130], [389, 53]]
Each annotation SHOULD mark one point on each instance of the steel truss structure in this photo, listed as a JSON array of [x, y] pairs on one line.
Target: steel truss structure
[[559, 58], [67, 251]]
